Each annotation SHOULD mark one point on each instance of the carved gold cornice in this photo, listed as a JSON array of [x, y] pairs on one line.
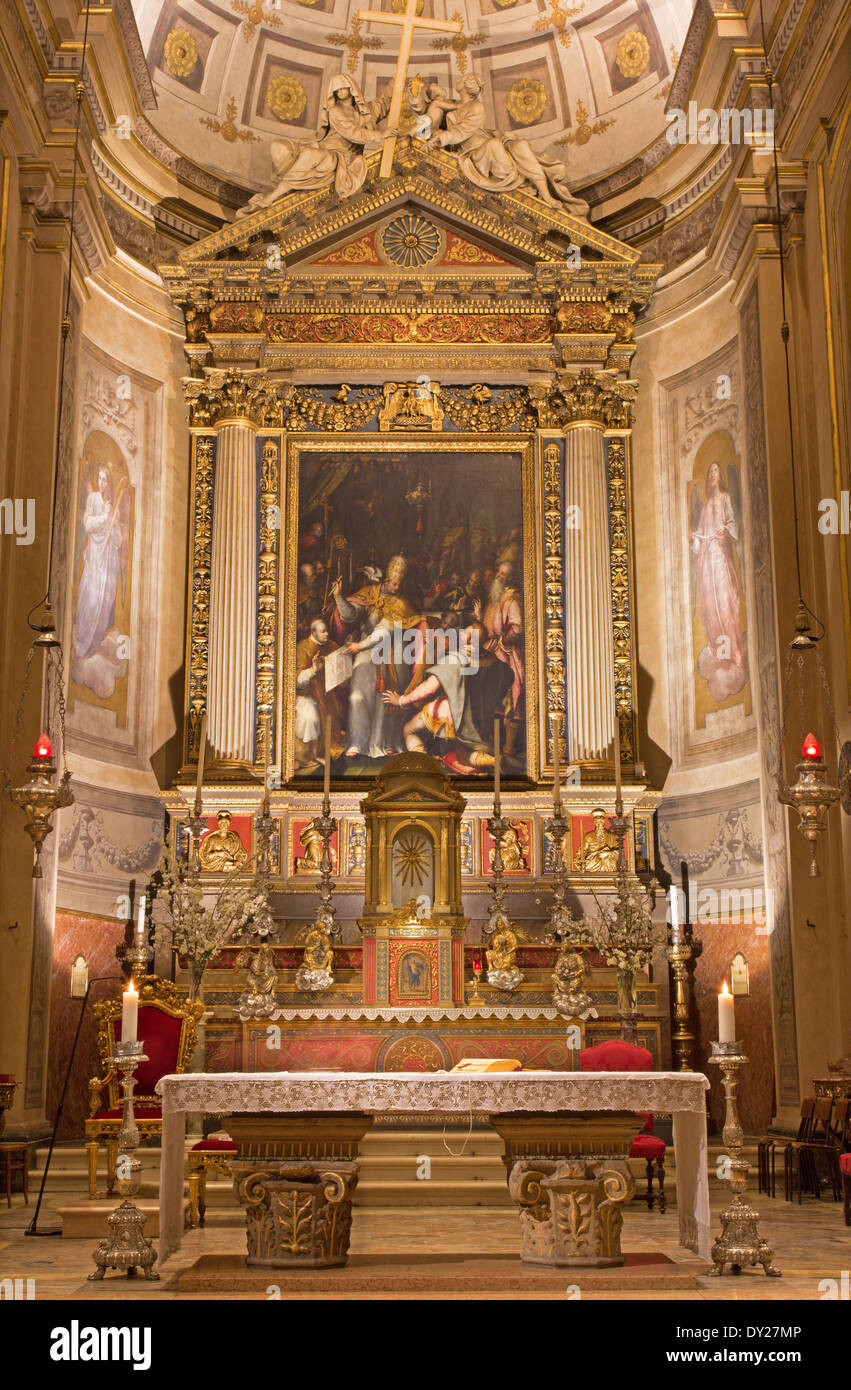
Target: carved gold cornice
[[248, 396]]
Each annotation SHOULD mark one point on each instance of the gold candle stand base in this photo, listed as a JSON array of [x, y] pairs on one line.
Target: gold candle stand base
[[126, 1248], [740, 1244]]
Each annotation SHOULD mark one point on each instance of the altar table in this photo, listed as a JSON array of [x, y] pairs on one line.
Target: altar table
[[681, 1094]]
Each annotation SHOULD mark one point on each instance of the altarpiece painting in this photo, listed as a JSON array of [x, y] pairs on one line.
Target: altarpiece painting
[[411, 600]]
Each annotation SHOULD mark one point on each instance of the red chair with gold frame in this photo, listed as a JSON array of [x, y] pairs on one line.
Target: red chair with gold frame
[[168, 1027], [623, 1056]]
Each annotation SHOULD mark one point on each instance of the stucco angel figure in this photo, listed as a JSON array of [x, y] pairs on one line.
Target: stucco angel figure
[[488, 158], [347, 127]]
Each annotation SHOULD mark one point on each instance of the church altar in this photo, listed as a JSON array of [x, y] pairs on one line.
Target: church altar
[[336, 1109]]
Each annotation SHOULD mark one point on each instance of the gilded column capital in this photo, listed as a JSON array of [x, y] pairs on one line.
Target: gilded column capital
[[223, 395], [596, 398], [583, 398]]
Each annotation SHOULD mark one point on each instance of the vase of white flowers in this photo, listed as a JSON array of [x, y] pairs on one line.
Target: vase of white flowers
[[201, 921], [625, 935]]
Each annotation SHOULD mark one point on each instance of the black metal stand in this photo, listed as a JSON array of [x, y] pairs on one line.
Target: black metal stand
[[56, 1229]]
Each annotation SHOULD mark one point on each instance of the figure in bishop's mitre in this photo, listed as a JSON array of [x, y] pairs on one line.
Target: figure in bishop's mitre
[[347, 127], [489, 159], [222, 850], [598, 853]]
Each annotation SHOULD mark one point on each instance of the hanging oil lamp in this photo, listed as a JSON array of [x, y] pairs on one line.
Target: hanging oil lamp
[[40, 797]]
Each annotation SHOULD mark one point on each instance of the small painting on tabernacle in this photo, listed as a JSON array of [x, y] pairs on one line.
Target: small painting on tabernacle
[[414, 979], [410, 609]]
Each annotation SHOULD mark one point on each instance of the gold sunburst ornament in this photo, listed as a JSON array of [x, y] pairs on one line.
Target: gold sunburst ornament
[[180, 53], [410, 241], [411, 860], [286, 97], [633, 54], [526, 100]]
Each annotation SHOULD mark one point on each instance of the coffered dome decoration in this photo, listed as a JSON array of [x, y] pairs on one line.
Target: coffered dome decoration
[[560, 73]]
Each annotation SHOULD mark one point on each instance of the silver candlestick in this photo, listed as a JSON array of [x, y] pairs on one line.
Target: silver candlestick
[[497, 825], [562, 924], [740, 1243], [126, 1248], [326, 913], [196, 824]]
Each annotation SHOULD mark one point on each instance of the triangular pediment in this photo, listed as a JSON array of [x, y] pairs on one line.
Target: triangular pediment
[[319, 229], [409, 240]]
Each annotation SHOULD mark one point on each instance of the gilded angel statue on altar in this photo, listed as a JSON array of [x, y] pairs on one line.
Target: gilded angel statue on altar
[[488, 158], [347, 127]]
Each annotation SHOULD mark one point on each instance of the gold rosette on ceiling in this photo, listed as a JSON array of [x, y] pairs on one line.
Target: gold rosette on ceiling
[[286, 97], [633, 54], [526, 100], [180, 52]]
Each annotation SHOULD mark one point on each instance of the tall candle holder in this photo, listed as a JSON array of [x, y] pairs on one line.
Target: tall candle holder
[[740, 1243], [562, 924], [139, 954], [679, 952], [497, 825], [126, 1248], [196, 824], [326, 913]]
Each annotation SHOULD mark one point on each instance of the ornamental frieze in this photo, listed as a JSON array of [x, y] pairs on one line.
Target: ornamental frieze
[[408, 328]]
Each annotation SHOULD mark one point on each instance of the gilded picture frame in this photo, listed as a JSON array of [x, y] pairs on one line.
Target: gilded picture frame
[[305, 452]]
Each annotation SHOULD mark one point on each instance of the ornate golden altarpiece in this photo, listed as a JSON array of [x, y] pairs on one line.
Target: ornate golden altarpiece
[[504, 321]]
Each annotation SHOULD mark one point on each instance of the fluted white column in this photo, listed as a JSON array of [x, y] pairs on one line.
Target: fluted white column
[[233, 596], [589, 653]]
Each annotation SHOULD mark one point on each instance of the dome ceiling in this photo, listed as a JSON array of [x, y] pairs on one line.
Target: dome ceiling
[[588, 80]]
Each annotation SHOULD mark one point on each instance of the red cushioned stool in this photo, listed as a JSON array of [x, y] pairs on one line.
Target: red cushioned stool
[[212, 1153], [845, 1170], [624, 1056]]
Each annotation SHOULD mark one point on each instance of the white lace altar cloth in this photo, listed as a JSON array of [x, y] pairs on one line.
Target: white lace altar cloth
[[681, 1094]]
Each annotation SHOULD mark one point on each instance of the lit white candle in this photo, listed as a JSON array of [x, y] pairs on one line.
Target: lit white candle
[[496, 759], [726, 1016], [129, 1013]]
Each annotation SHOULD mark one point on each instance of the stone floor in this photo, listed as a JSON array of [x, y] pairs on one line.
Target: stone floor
[[811, 1244]]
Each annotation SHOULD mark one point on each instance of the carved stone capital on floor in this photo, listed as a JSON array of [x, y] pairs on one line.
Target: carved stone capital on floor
[[571, 1210], [298, 1211]]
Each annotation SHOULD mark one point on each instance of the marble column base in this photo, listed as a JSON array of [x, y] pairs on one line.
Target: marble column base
[[570, 1210], [298, 1212]]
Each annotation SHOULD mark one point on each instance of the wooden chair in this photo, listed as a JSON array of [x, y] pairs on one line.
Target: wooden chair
[[168, 1027], [213, 1153], [800, 1163], [624, 1056], [766, 1151], [14, 1158], [845, 1169], [828, 1150]]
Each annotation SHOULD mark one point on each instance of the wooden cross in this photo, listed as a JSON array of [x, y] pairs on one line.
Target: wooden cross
[[407, 22]]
